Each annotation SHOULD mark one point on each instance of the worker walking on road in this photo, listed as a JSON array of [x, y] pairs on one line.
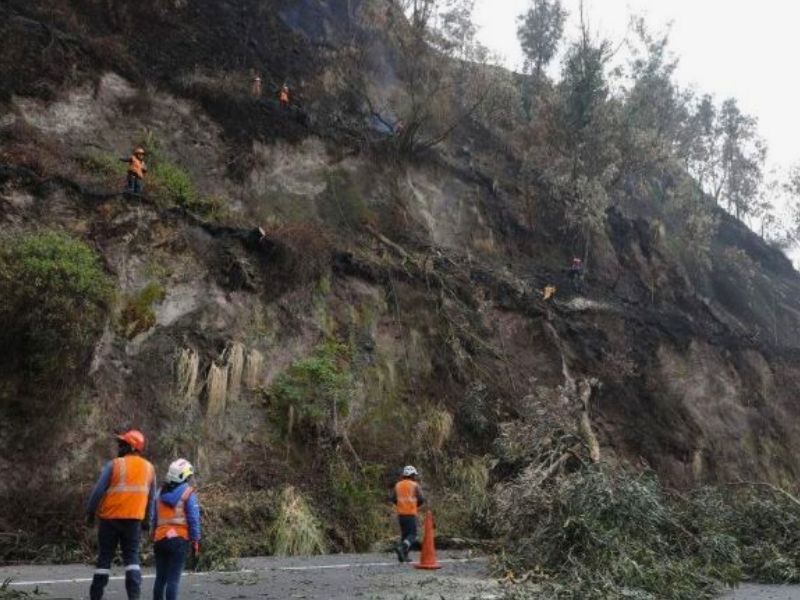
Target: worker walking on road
[[407, 498], [136, 171], [177, 529], [123, 500]]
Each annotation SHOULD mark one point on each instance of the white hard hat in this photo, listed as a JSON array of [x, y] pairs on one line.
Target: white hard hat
[[409, 471], [179, 471]]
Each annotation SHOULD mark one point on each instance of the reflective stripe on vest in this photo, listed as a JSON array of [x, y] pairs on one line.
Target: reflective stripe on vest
[[406, 492], [126, 497], [171, 520]]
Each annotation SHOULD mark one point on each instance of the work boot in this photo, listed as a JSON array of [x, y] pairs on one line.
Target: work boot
[[398, 549], [406, 550]]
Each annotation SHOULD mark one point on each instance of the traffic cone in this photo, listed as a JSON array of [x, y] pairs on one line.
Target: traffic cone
[[427, 558]]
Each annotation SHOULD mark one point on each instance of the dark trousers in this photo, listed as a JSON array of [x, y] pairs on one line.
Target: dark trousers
[[134, 184], [170, 558], [125, 533], [408, 530]]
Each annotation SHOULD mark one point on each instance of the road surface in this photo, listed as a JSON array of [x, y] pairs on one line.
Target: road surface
[[339, 577]]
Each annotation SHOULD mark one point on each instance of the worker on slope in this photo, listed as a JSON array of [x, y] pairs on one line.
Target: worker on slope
[[123, 500], [576, 273], [407, 498], [177, 529], [255, 88], [136, 171], [283, 96]]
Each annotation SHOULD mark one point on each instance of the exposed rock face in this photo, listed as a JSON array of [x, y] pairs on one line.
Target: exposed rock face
[[426, 274]]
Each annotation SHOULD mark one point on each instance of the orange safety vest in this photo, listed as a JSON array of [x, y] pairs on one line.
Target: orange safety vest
[[126, 497], [136, 166], [172, 521], [406, 493]]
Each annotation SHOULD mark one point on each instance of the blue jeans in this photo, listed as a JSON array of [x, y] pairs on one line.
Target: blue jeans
[[170, 558], [125, 533], [134, 184]]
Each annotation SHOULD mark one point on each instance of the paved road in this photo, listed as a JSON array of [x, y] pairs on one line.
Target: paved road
[[764, 592], [341, 577]]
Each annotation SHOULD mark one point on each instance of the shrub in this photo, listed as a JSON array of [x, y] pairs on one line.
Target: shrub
[[606, 534], [296, 530], [434, 429], [357, 498], [597, 533], [315, 391], [235, 525], [138, 315], [54, 297], [172, 184]]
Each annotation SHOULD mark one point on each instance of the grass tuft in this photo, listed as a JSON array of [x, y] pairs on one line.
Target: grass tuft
[[296, 530]]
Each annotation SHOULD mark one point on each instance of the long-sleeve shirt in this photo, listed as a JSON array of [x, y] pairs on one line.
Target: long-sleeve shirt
[[101, 487], [171, 495]]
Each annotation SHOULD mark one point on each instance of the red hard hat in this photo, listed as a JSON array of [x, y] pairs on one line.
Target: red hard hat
[[134, 438]]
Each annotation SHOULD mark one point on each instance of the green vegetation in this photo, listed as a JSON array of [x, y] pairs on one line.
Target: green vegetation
[[296, 530], [171, 183], [235, 524], [315, 392], [138, 315], [54, 297], [104, 165], [357, 499], [603, 534]]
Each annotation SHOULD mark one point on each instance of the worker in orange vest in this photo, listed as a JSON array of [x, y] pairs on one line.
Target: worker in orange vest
[[177, 528], [136, 171], [123, 500], [407, 498], [283, 95]]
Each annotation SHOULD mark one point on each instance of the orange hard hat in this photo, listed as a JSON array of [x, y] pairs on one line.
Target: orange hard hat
[[139, 150], [134, 438]]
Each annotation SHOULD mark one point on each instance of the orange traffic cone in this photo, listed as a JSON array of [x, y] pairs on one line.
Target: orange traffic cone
[[427, 559]]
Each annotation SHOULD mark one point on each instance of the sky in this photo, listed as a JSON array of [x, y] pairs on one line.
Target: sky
[[727, 48]]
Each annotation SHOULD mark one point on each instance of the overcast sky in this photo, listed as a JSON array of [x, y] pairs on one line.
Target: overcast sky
[[738, 48]]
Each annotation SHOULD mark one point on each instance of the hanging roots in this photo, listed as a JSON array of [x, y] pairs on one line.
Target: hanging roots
[[253, 367], [188, 366], [217, 389], [234, 356]]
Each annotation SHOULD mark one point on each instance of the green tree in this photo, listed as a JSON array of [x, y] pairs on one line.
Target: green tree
[[589, 129], [55, 299], [743, 156], [540, 31], [727, 155]]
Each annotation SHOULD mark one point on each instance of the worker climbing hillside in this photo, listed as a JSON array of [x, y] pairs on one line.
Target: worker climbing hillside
[[136, 171], [177, 529], [283, 96], [576, 273], [407, 498], [255, 88], [123, 499]]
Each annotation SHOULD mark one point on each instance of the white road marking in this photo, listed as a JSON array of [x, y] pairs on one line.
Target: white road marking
[[241, 572], [122, 577]]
